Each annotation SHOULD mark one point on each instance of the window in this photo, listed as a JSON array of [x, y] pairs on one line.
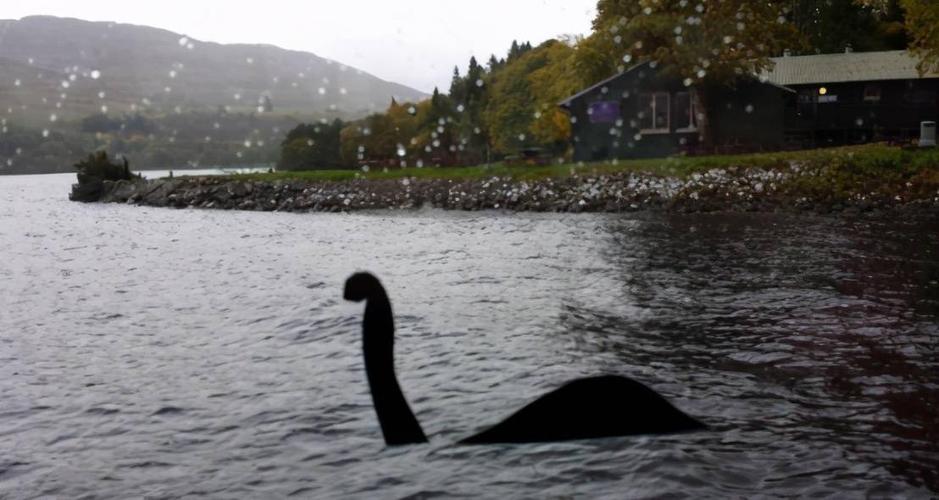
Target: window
[[654, 112], [685, 111], [603, 111], [921, 97], [872, 93]]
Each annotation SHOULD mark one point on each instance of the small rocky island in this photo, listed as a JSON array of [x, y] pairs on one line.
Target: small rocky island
[[822, 183]]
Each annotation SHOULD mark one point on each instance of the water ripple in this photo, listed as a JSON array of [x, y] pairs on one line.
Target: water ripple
[[161, 353]]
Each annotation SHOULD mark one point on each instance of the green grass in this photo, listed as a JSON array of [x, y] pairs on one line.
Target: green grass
[[871, 159]]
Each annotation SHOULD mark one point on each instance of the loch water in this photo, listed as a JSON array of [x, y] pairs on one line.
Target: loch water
[[171, 353]]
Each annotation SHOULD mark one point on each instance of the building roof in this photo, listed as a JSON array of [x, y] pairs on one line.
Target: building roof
[[818, 69], [567, 102], [845, 67]]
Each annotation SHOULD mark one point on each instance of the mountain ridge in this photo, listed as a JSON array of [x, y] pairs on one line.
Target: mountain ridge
[[141, 68]]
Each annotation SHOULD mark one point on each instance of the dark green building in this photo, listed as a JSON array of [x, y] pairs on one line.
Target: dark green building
[[805, 101]]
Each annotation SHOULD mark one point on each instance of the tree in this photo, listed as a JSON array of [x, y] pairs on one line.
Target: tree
[[312, 146], [523, 92], [922, 25], [457, 86], [833, 25]]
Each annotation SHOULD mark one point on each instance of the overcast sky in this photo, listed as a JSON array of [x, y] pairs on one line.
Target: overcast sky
[[414, 42]]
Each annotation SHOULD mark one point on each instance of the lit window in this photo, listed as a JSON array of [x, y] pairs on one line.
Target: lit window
[[872, 93], [654, 112]]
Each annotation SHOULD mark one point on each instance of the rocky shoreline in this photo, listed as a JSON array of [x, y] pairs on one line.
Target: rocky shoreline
[[725, 189]]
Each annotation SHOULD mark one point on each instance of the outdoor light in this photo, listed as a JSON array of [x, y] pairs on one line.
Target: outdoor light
[[822, 91]]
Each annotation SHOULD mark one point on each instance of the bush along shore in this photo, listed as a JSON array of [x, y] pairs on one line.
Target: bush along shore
[[844, 179]]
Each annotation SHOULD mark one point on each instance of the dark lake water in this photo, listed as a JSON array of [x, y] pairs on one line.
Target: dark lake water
[[170, 353]]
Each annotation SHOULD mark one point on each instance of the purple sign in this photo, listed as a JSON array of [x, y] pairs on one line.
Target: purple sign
[[604, 112]]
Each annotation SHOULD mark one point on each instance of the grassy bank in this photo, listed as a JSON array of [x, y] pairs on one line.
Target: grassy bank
[[855, 179], [871, 162]]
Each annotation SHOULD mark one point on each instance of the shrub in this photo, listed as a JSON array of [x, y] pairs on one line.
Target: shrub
[[94, 171]]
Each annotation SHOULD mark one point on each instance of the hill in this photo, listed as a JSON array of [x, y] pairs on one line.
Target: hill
[[57, 73], [44, 58]]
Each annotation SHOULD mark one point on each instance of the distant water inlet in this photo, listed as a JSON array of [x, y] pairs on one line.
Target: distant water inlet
[[165, 353]]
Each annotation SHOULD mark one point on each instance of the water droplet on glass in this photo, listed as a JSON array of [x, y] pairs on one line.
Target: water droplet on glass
[[101, 95], [248, 143], [521, 137], [172, 73], [183, 41], [45, 132], [627, 58], [16, 83], [249, 60], [321, 91], [460, 108], [65, 84], [479, 82], [401, 150], [237, 97], [53, 117], [95, 74], [412, 110], [749, 108], [104, 109]]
